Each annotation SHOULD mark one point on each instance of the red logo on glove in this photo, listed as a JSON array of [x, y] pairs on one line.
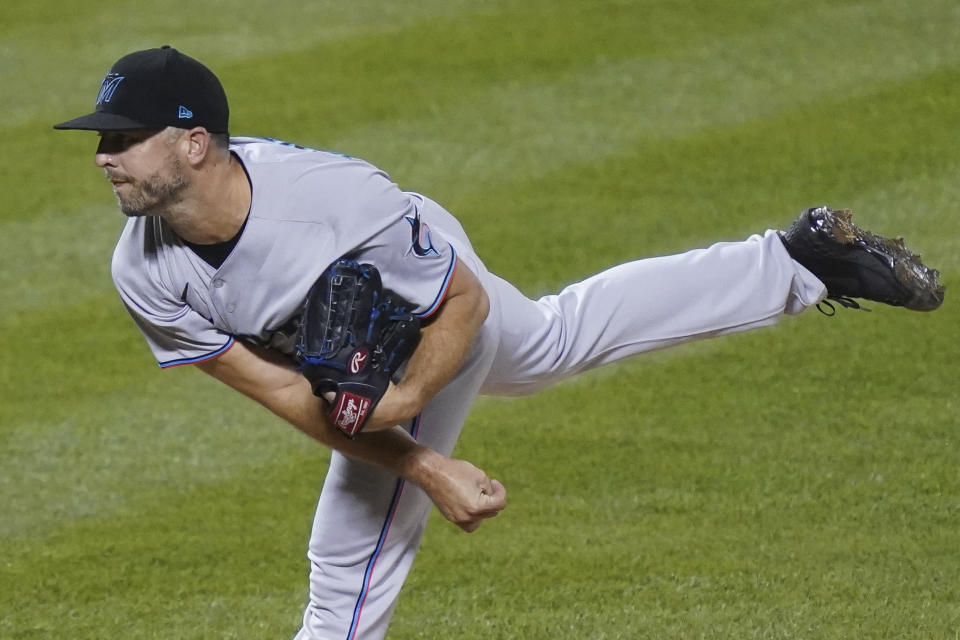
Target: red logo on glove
[[358, 360], [350, 412]]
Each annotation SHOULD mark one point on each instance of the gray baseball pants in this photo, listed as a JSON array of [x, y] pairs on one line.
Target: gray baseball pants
[[368, 524]]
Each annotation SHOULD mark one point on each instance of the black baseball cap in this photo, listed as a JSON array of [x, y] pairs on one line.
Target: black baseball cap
[[154, 89]]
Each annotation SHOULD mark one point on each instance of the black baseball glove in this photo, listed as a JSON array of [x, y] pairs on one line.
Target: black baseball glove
[[353, 337]]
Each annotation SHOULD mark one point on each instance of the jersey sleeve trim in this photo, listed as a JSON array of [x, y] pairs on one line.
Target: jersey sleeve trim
[[198, 359], [443, 288]]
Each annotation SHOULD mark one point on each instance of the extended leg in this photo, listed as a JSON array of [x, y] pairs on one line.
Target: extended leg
[[645, 305]]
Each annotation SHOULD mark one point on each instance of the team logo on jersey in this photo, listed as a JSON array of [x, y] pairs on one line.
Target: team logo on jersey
[[420, 241], [109, 87], [358, 360]]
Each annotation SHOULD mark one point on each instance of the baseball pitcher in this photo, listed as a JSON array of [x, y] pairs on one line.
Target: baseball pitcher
[[361, 314]]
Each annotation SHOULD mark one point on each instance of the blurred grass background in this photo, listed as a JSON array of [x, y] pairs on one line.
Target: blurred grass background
[[797, 482]]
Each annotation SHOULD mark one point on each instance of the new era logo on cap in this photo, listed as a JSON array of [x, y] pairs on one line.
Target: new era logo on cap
[[183, 112]]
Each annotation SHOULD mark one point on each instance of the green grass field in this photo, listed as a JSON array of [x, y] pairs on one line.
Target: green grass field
[[798, 482]]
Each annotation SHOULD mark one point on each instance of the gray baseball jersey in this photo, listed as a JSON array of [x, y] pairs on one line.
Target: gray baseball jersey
[[308, 209]]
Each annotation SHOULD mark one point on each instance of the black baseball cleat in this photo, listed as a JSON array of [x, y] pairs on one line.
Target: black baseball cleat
[[854, 263]]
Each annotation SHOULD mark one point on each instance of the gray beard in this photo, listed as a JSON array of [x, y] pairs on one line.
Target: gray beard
[[154, 194]]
